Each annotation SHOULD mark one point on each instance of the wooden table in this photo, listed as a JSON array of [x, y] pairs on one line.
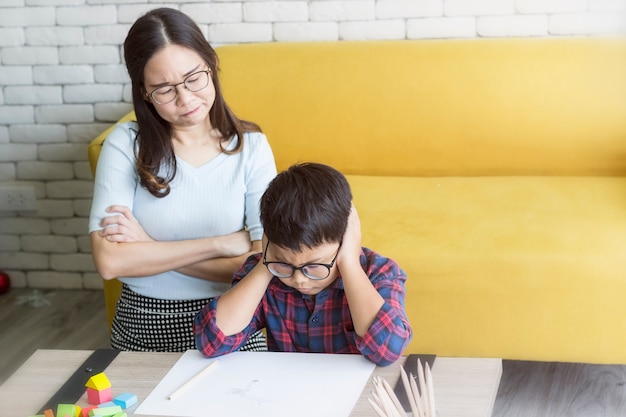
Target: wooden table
[[463, 387]]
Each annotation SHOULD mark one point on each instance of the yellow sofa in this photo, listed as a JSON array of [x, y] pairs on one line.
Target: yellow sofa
[[493, 171]]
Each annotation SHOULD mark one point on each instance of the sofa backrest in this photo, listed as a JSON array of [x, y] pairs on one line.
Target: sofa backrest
[[439, 107]]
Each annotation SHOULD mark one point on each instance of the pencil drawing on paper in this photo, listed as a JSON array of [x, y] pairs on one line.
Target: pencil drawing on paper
[[245, 393]]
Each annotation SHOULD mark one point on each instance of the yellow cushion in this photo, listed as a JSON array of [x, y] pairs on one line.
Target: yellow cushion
[[514, 267]]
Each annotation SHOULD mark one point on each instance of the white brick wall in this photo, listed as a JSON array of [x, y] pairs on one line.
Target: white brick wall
[[62, 82], [41, 133], [401, 9], [478, 7], [337, 11], [441, 27], [374, 29], [28, 55], [516, 25]]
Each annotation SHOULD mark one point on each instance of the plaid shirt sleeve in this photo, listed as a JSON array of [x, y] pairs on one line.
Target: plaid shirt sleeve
[[210, 340], [390, 333]]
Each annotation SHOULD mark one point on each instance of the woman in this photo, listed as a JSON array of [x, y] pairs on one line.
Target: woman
[[176, 195]]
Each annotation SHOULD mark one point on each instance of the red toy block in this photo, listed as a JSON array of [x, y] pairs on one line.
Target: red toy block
[[95, 397], [85, 411]]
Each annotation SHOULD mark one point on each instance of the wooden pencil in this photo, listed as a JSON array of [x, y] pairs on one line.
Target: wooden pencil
[[431, 393], [193, 379], [421, 400]]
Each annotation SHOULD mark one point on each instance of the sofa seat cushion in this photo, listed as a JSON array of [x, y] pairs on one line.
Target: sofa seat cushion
[[497, 265]]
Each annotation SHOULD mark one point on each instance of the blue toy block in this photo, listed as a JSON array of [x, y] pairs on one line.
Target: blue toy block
[[125, 400]]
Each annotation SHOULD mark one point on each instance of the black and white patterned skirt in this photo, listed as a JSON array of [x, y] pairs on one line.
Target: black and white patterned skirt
[[153, 325]]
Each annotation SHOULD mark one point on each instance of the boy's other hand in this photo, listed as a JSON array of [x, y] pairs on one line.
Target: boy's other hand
[[350, 251], [260, 268]]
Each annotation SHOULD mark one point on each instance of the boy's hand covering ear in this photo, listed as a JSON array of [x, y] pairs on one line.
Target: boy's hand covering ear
[[351, 242], [262, 269]]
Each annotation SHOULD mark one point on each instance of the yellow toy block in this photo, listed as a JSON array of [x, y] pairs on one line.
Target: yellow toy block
[[98, 382]]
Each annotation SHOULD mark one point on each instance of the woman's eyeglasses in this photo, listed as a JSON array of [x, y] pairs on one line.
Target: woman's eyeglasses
[[194, 82]]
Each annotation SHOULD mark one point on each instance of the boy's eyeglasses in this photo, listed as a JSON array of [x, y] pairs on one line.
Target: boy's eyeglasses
[[194, 82], [316, 271]]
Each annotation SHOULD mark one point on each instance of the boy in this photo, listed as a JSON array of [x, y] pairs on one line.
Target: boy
[[314, 288]]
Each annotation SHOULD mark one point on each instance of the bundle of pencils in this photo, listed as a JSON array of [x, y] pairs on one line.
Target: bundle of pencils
[[421, 401]]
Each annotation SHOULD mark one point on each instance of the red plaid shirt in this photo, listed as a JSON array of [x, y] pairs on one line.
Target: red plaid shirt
[[295, 322]]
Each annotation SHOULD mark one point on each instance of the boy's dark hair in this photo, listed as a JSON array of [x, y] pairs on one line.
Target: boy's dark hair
[[308, 204]]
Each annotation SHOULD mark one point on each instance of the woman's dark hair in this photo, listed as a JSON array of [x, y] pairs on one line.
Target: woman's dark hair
[[308, 204], [148, 35]]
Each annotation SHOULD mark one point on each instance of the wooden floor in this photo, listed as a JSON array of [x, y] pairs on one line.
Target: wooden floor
[[552, 389], [49, 319]]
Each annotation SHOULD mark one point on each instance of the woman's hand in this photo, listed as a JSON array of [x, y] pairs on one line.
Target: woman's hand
[[123, 226], [235, 244]]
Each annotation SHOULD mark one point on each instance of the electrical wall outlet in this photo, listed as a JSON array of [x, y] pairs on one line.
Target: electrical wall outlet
[[17, 198]]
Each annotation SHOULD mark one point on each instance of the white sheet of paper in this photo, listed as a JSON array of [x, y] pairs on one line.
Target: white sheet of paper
[[261, 384]]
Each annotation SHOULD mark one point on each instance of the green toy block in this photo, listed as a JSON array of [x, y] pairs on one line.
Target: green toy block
[[66, 410], [105, 411]]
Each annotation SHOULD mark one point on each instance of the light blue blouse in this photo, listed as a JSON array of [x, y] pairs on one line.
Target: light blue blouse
[[218, 198]]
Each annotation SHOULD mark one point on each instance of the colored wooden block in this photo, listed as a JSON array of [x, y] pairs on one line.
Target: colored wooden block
[[85, 411], [122, 414], [66, 410], [105, 411], [97, 397], [98, 382], [48, 413], [108, 404], [125, 400]]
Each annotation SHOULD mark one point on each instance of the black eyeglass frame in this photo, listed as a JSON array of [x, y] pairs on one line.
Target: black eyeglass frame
[[183, 83], [299, 268]]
